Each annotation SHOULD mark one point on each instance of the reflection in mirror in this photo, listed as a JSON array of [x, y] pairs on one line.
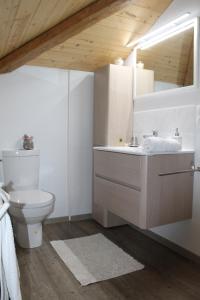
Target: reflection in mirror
[[167, 65]]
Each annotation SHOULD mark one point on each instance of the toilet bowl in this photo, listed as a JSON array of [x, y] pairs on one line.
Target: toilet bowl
[[28, 210], [29, 206]]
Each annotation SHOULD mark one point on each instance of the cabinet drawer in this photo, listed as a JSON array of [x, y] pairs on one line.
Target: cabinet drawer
[[118, 167], [120, 200], [171, 162]]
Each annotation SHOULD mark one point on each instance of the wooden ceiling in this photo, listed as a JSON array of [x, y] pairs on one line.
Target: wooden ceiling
[[171, 60], [23, 20]]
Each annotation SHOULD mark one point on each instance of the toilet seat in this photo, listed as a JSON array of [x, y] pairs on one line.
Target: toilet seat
[[30, 198]]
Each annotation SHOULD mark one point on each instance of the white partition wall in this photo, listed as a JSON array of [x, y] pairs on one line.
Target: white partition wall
[[37, 101], [80, 142]]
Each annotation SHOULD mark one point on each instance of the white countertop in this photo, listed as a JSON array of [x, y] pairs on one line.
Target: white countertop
[[137, 150]]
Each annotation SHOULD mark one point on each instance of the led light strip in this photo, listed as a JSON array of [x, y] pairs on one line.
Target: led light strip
[[167, 35], [173, 24]]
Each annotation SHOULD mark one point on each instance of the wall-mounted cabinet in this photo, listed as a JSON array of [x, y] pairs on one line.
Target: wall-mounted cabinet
[[113, 105], [130, 187]]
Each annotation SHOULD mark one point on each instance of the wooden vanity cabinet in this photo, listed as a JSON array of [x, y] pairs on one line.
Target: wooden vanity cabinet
[[128, 187], [113, 105]]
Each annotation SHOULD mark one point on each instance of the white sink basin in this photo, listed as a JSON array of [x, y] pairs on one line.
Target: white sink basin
[[137, 150]]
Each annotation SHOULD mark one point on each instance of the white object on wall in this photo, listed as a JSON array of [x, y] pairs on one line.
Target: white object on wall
[[119, 61]]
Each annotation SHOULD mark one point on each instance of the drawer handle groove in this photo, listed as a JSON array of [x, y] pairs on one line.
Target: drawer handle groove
[[133, 187]]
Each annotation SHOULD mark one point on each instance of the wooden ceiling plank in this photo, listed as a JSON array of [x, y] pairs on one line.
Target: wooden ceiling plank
[[72, 64], [66, 29], [8, 12], [140, 14], [22, 19], [72, 58], [101, 39], [38, 20], [54, 10], [65, 9], [123, 23], [86, 56], [155, 5], [82, 52], [86, 45]]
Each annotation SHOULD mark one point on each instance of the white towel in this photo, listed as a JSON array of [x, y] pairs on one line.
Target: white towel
[[159, 145], [9, 272]]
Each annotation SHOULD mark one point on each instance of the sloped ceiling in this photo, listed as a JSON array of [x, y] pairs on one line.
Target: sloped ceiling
[[22, 20], [101, 44]]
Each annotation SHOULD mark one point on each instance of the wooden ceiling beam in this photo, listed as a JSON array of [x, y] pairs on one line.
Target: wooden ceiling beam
[[61, 32]]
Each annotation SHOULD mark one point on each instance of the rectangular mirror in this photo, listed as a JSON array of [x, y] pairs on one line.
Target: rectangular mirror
[[166, 65]]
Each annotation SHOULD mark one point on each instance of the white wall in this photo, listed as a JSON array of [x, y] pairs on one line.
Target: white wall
[[35, 100], [166, 120], [165, 111]]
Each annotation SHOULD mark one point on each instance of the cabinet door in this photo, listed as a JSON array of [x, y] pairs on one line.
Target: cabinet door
[[120, 115], [113, 105], [101, 102], [169, 197]]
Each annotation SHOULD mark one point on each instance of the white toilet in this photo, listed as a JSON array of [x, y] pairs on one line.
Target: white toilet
[[29, 206]]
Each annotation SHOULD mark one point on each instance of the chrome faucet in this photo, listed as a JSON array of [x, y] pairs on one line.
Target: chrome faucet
[[134, 142], [154, 133]]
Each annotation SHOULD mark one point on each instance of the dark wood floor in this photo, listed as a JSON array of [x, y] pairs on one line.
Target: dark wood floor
[[166, 275]]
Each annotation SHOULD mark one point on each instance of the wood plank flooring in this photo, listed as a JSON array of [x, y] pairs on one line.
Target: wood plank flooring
[[166, 276]]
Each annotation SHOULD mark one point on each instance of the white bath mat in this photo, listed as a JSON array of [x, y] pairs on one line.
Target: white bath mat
[[95, 258]]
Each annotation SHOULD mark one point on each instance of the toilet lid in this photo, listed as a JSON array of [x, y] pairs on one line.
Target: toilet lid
[[31, 198]]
